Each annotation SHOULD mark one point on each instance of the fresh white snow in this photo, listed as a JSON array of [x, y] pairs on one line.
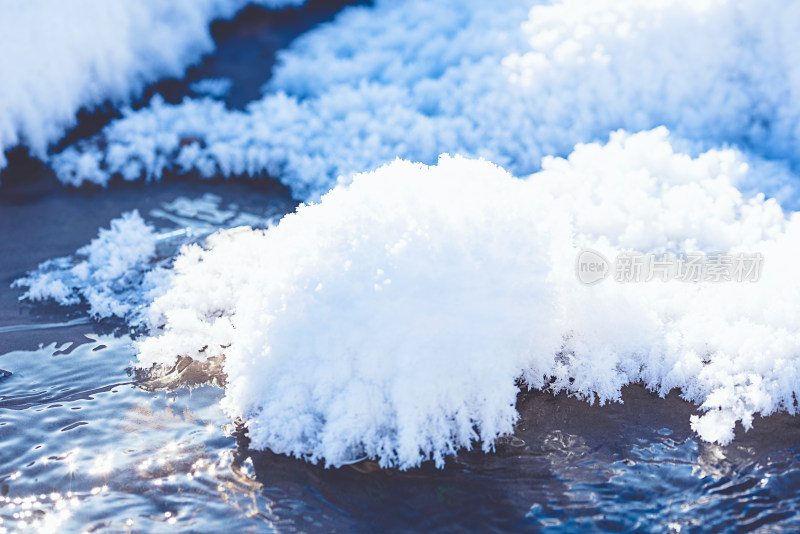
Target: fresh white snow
[[107, 273], [120, 272], [512, 82], [59, 57], [393, 318]]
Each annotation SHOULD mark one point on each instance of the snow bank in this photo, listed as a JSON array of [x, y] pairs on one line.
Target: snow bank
[[59, 57], [394, 318], [511, 83]]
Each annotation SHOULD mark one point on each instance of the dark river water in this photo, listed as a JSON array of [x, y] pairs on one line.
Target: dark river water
[[86, 444]]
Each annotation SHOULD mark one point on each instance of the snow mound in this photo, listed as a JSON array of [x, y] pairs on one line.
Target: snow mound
[[59, 57], [511, 84], [377, 321], [395, 318]]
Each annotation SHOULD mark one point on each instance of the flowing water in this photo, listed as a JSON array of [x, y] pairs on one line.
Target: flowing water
[[87, 444]]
